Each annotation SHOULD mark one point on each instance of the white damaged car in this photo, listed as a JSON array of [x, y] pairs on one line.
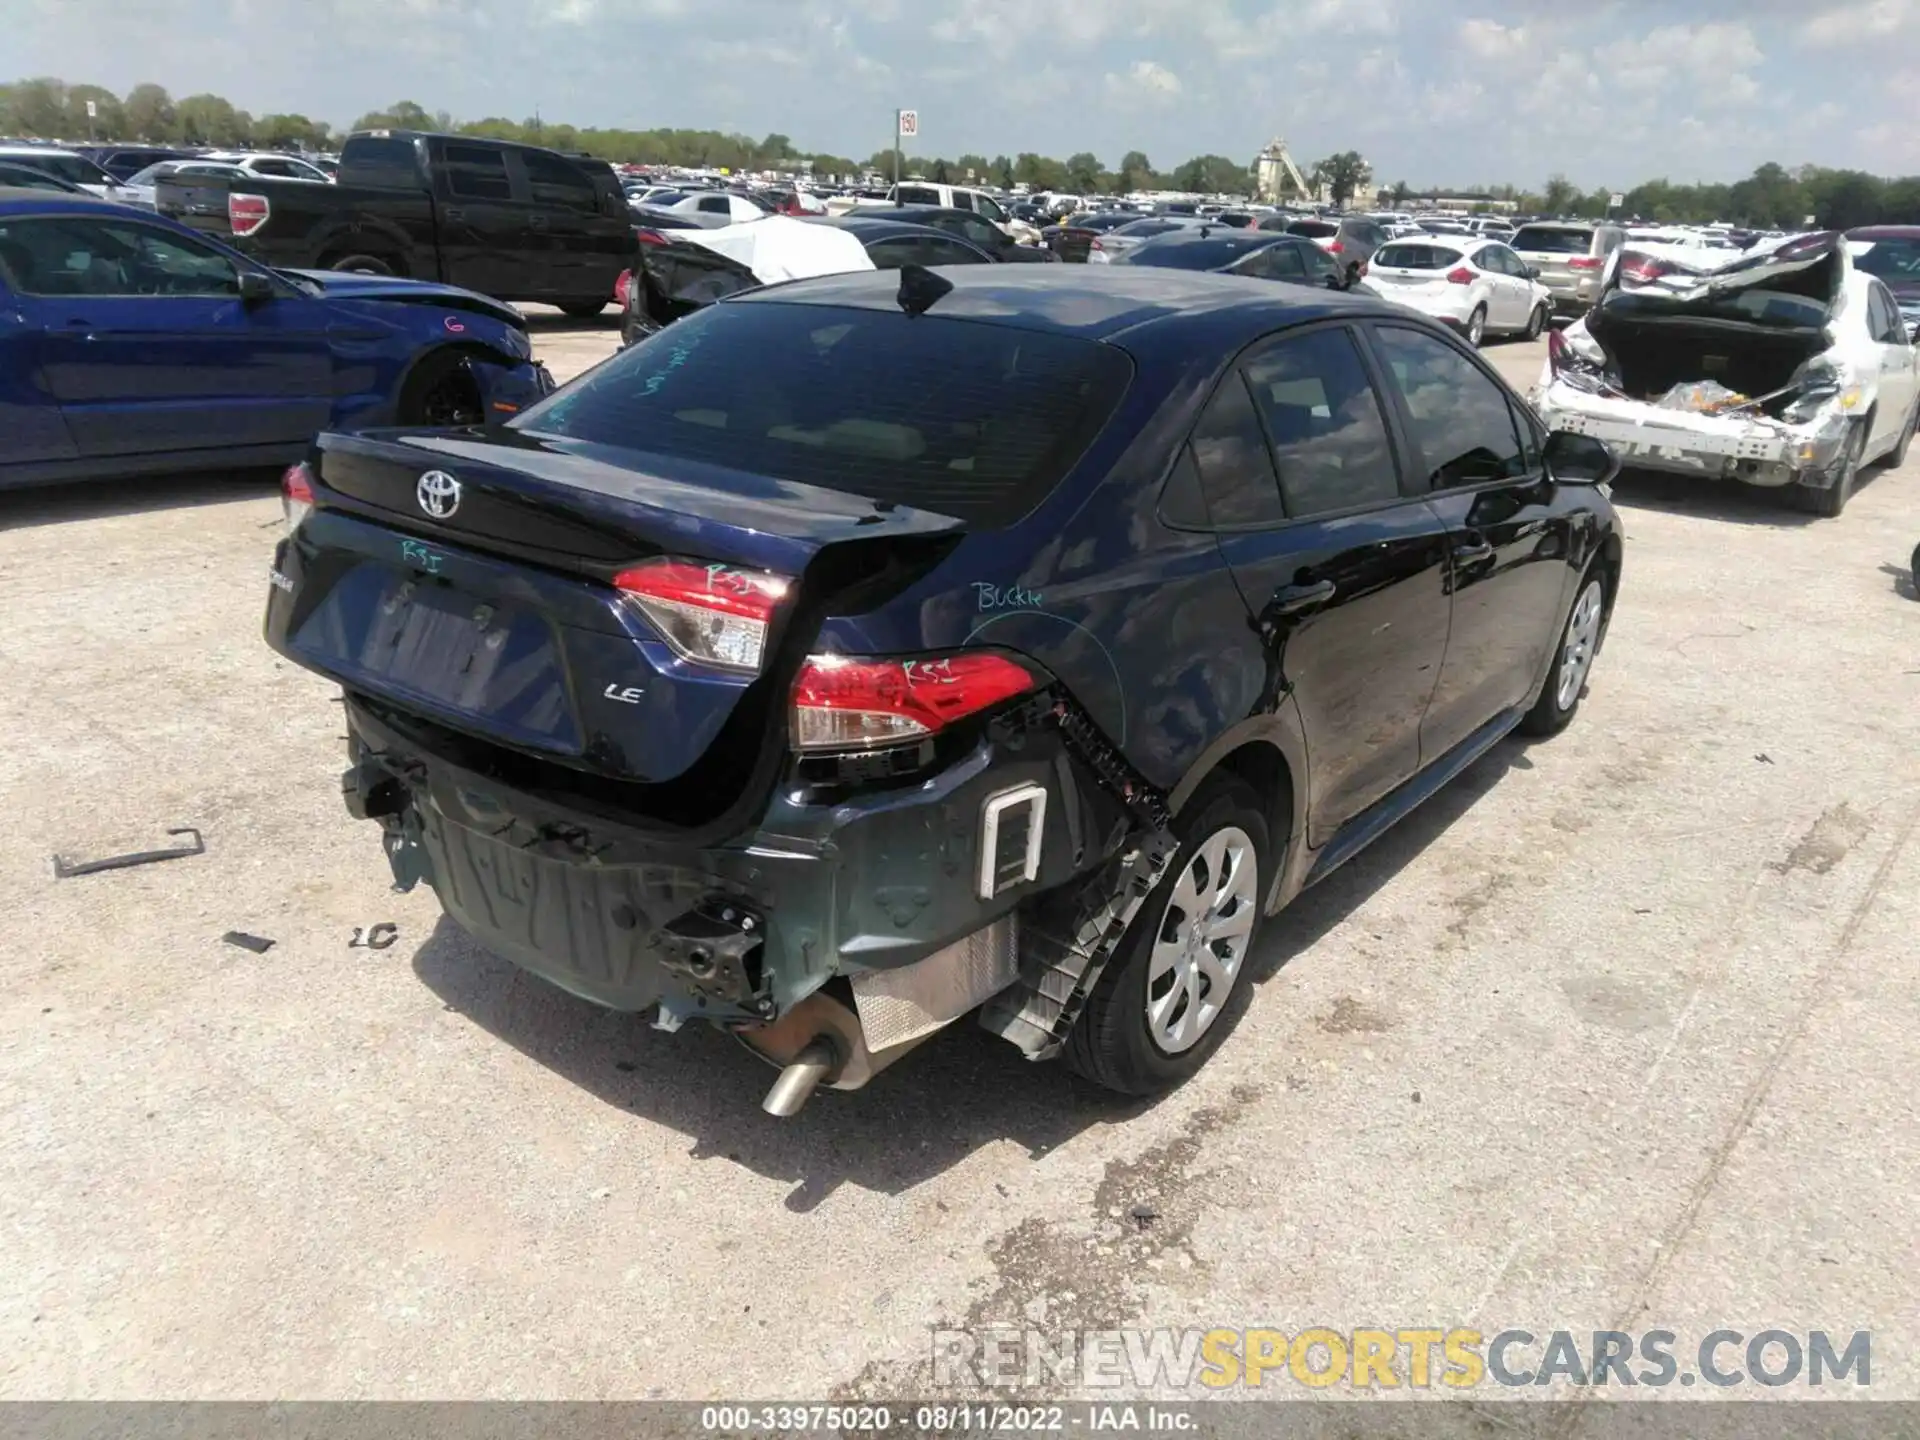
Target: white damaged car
[[1786, 367]]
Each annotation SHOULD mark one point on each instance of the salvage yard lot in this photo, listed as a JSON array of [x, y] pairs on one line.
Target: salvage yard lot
[[1616, 1033]]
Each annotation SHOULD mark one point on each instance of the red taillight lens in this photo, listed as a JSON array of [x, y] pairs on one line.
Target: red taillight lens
[[620, 288], [649, 237], [710, 614], [1584, 262], [1096, 245], [1643, 269], [296, 495], [844, 702], [247, 213], [1460, 275], [1335, 247]]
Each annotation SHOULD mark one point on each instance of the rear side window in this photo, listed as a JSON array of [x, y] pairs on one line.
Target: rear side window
[[382, 160], [1236, 470], [1192, 254], [1313, 229], [1552, 240], [977, 421], [552, 181], [1402, 255], [476, 172], [918, 195], [1462, 425], [1329, 438]]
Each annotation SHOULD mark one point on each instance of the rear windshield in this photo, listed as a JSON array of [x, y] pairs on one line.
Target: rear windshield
[[1402, 256], [1148, 227], [1313, 229], [1552, 240], [972, 420], [1195, 254]]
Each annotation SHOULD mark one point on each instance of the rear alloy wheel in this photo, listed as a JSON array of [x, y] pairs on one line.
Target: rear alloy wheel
[[1536, 322], [1477, 326], [1175, 987], [1560, 696], [581, 309], [441, 393], [1830, 500]]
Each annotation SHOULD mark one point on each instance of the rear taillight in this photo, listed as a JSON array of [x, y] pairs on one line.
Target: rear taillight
[[1460, 275], [620, 288], [247, 213], [1584, 262], [711, 614], [843, 702], [1643, 269], [1096, 245], [296, 495], [1335, 247], [649, 237]]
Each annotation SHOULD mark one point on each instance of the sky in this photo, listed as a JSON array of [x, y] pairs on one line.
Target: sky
[[1449, 92]]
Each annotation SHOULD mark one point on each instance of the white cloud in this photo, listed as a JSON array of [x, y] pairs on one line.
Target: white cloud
[[1710, 60], [1145, 80], [1490, 40], [1866, 20]]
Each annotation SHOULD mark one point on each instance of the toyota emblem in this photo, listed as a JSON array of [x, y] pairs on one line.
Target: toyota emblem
[[438, 494]]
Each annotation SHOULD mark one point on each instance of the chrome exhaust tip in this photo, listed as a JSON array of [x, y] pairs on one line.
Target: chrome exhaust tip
[[800, 1079]]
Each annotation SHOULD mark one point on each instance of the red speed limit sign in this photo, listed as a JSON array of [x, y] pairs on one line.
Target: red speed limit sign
[[909, 124]]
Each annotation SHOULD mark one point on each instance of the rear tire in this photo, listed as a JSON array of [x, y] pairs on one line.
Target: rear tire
[[1476, 331], [1536, 322], [363, 265], [441, 392], [581, 309], [1214, 888]]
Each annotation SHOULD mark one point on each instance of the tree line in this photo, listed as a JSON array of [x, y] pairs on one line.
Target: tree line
[[1772, 197]]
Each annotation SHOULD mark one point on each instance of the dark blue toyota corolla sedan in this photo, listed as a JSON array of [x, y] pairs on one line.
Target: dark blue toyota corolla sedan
[[864, 652], [132, 345]]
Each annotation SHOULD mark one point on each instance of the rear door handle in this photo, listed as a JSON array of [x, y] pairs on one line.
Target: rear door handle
[[453, 215], [1472, 552], [537, 222], [79, 329], [1298, 599]]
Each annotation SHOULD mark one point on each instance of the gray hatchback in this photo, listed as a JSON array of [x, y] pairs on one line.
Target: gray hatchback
[[1570, 256]]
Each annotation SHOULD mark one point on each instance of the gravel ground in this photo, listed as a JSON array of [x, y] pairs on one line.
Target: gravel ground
[[1616, 1033]]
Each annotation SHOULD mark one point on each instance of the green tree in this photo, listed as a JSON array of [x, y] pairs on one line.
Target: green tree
[[1212, 175], [1135, 173], [941, 173], [211, 120], [403, 115], [974, 167], [1083, 173], [38, 107], [148, 112], [277, 132], [1344, 174], [1003, 172], [1401, 190], [1558, 195]]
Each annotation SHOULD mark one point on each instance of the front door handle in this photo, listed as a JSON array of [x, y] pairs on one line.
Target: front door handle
[[1472, 552], [453, 215], [1299, 599], [537, 222]]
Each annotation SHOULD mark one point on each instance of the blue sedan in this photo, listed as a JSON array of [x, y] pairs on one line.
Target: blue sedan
[[130, 345]]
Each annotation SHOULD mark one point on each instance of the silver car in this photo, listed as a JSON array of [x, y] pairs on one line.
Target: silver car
[[1571, 257], [1109, 247]]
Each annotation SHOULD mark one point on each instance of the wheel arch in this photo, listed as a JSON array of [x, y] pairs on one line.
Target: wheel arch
[[1269, 754], [479, 355]]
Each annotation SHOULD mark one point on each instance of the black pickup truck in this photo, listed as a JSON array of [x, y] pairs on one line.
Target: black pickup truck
[[512, 221]]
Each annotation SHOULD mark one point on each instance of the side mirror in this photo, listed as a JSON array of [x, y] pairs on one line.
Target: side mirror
[[255, 288], [1533, 271], [1336, 281], [1579, 459]]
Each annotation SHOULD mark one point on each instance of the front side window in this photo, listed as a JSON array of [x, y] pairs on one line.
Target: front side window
[[1329, 438], [1463, 428], [552, 181], [85, 257]]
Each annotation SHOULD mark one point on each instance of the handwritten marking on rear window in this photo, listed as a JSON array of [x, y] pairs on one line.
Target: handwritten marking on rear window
[[680, 354], [1009, 597], [414, 553]]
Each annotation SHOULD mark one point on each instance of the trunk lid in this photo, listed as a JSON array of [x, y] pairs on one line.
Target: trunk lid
[[470, 579], [196, 200]]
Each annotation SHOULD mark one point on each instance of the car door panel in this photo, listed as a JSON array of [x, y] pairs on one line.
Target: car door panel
[[487, 240], [1476, 453], [30, 419], [137, 367], [1350, 608]]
